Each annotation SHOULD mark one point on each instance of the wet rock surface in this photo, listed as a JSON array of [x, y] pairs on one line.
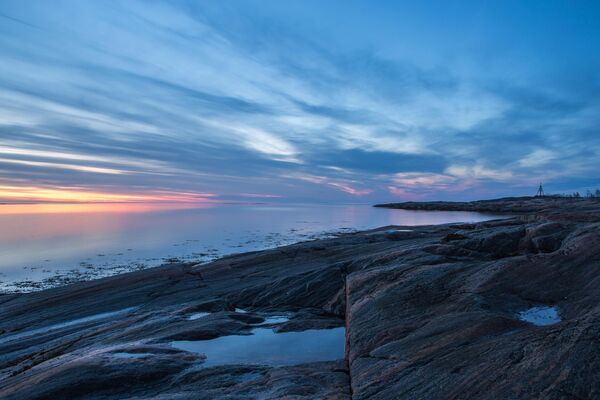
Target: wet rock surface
[[432, 312]]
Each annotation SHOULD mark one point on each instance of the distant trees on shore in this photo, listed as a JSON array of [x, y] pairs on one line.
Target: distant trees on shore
[[576, 195]]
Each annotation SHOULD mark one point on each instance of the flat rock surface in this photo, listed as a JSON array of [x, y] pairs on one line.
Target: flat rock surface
[[432, 312]]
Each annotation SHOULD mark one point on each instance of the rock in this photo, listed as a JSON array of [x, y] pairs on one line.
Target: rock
[[511, 205], [544, 238], [498, 244], [430, 314], [453, 236]]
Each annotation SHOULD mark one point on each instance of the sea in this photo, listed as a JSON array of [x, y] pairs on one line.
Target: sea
[[46, 245]]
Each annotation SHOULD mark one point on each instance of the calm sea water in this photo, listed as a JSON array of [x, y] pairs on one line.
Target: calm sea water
[[48, 245]]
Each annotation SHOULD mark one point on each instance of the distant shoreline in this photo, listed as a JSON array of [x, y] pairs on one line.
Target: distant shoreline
[[506, 205]]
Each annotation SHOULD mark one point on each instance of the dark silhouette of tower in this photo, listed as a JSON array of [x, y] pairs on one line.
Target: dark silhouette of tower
[[540, 191]]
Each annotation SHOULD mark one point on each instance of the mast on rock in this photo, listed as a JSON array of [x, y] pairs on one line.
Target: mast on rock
[[540, 191]]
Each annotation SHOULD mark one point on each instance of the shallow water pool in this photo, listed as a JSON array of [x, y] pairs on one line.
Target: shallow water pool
[[198, 315], [266, 347], [541, 315]]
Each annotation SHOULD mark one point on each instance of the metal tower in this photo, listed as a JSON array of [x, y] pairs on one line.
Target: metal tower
[[540, 191]]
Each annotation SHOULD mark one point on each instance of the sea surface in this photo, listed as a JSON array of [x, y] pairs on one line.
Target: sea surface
[[45, 245]]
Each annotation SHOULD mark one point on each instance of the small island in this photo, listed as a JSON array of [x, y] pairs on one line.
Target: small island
[[501, 309]]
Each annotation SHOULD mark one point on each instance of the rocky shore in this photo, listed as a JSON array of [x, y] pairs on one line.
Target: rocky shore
[[503, 309], [507, 205]]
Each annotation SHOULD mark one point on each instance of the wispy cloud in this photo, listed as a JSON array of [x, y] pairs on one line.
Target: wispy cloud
[[346, 186], [74, 167], [259, 196], [71, 194]]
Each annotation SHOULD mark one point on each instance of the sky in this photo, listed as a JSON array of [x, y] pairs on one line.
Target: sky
[[297, 101]]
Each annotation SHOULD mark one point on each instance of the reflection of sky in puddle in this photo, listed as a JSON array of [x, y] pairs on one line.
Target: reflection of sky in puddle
[[95, 317], [271, 319], [266, 347], [540, 316], [275, 319], [198, 315]]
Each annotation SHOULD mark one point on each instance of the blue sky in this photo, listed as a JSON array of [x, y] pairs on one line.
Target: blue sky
[[337, 101]]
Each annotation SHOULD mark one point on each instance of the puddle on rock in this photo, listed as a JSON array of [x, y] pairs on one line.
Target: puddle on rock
[[265, 347], [540, 316], [275, 319], [197, 315]]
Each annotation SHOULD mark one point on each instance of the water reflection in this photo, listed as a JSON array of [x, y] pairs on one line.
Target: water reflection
[[540, 316], [198, 315], [91, 240], [266, 347]]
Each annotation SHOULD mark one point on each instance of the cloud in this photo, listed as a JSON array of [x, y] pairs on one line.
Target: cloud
[[259, 195], [418, 179], [56, 165], [345, 186], [478, 172], [269, 144], [405, 195], [537, 158]]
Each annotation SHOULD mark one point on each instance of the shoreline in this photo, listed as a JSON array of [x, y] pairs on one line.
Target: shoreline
[[89, 271], [427, 310], [502, 206]]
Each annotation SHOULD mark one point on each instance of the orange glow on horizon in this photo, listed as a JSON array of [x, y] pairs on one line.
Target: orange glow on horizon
[[63, 208], [35, 194]]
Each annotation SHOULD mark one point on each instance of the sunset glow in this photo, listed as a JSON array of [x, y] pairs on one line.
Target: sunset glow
[[87, 208], [32, 194]]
